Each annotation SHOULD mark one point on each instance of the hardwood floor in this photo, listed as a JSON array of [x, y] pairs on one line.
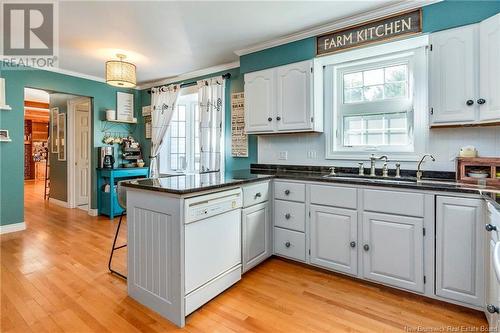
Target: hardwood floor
[[54, 278]]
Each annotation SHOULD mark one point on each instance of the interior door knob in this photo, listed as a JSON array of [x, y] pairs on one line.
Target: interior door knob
[[492, 308], [481, 101], [366, 247], [469, 102]]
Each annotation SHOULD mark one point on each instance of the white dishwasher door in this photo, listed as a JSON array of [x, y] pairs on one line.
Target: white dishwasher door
[[212, 247]]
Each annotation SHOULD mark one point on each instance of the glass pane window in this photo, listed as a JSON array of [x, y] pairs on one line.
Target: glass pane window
[[376, 84], [376, 130]]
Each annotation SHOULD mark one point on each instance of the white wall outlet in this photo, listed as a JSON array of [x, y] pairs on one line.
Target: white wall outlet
[[283, 155]]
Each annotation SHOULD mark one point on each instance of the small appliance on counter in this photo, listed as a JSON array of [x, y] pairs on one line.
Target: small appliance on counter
[[131, 153], [468, 151], [106, 157]]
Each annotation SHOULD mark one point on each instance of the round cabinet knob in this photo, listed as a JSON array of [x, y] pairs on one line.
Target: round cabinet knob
[[366, 247], [287, 244], [278, 118], [269, 119], [490, 227], [469, 102], [352, 244], [287, 216], [481, 101], [257, 195], [492, 309], [287, 192]]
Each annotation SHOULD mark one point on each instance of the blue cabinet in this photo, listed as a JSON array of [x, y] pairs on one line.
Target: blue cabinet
[[107, 202]]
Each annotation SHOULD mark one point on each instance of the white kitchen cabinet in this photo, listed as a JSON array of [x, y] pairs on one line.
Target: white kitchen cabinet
[[256, 229], [334, 237], [294, 97], [460, 249], [280, 100], [489, 82], [453, 75], [393, 250], [493, 295], [260, 101]]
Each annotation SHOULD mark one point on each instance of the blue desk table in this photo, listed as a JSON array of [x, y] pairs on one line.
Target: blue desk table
[[107, 202]]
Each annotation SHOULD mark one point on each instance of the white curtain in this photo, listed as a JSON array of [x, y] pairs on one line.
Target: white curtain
[[163, 101], [211, 99]]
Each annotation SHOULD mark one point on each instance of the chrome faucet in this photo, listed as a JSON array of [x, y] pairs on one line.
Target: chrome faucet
[[398, 170], [332, 171], [372, 164], [419, 172], [361, 169]]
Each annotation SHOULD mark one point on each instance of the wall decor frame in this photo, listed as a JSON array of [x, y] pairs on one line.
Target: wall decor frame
[[61, 136], [4, 136], [53, 130], [124, 106]]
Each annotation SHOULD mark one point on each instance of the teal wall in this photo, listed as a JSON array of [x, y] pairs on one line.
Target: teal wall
[[234, 84], [11, 154], [439, 16]]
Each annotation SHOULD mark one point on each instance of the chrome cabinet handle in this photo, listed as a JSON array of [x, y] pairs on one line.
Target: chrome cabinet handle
[[492, 308], [469, 102], [257, 195], [352, 244], [490, 227], [287, 216], [287, 244], [481, 101], [366, 247], [287, 192]]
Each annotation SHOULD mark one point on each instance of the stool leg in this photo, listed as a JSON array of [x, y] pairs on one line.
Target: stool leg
[[113, 248]]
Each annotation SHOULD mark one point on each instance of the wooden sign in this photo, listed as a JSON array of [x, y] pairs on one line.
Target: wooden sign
[[239, 140], [371, 32]]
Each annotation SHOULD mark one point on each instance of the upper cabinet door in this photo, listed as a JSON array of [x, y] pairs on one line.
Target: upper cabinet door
[[294, 97], [489, 84], [260, 100], [453, 75]]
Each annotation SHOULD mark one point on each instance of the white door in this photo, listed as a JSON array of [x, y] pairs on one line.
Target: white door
[[260, 101], [453, 75], [334, 238], [459, 249], [256, 235], [294, 97], [489, 83], [393, 250], [82, 158]]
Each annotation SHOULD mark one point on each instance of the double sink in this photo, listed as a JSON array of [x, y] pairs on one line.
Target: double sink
[[387, 180]]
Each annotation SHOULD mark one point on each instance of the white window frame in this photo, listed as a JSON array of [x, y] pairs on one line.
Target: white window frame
[[325, 95]]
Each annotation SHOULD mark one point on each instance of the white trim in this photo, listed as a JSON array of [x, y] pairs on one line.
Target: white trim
[[190, 75], [338, 24], [8, 228], [93, 212], [58, 202], [70, 143]]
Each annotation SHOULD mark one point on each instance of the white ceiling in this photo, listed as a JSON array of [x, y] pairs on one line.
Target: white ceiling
[[166, 39]]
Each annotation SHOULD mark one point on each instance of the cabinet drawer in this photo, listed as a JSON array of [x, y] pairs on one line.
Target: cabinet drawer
[[255, 193], [290, 191], [343, 197], [394, 202], [291, 244], [289, 215]]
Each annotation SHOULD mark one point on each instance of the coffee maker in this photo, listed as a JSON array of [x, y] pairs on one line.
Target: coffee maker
[[106, 157]]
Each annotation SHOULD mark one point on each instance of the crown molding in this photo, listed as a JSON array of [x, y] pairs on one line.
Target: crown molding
[[339, 24], [189, 75], [72, 73]]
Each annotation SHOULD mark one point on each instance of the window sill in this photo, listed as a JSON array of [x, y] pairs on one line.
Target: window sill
[[365, 156]]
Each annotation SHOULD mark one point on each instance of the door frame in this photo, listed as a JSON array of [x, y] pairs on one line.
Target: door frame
[[70, 180]]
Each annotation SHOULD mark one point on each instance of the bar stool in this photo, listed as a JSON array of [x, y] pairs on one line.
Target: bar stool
[[122, 201]]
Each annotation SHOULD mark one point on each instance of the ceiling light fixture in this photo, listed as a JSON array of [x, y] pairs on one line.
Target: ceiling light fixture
[[120, 73]]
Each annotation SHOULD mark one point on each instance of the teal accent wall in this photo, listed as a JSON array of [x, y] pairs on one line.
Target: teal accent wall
[[11, 154], [234, 84]]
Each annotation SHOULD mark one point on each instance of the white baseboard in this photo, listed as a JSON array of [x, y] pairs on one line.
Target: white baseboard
[[8, 228], [58, 202], [93, 212]]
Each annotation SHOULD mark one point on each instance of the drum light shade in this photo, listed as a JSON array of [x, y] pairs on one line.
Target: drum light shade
[[120, 73]]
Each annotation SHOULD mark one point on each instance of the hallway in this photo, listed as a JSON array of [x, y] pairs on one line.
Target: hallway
[[55, 279]]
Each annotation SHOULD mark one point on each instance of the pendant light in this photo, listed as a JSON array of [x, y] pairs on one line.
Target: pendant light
[[120, 73]]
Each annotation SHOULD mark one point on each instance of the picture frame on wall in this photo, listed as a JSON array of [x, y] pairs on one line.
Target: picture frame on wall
[[4, 135], [61, 136], [53, 130], [124, 106]]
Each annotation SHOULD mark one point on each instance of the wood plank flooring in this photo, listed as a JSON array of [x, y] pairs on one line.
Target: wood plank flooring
[[54, 278]]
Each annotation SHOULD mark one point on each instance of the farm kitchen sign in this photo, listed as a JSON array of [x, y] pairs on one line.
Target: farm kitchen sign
[[371, 32]]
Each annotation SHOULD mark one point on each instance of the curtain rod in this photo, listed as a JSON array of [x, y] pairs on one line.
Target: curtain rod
[[192, 83]]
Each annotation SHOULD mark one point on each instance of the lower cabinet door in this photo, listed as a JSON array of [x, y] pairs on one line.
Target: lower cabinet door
[[460, 249], [393, 250], [256, 229], [492, 294], [334, 238]]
